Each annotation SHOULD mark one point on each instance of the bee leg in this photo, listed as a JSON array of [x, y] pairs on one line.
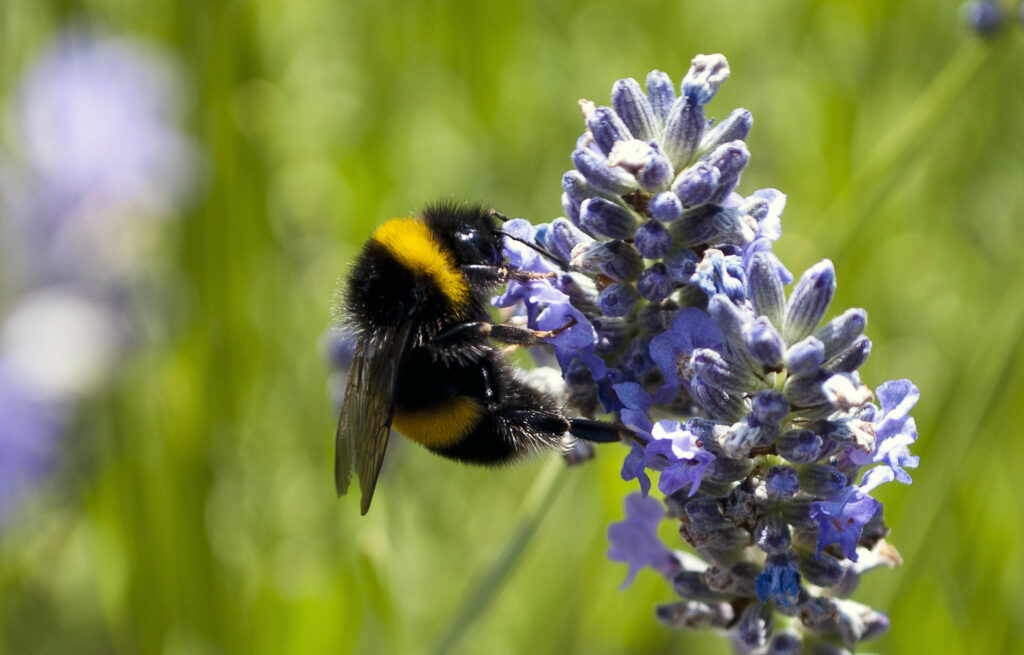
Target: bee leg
[[581, 428], [548, 423], [510, 334], [591, 430], [484, 275]]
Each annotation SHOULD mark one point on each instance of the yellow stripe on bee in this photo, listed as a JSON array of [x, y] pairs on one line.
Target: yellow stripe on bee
[[415, 247], [440, 426]]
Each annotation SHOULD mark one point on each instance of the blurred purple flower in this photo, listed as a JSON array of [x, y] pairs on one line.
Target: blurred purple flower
[[29, 427], [98, 148], [97, 151], [635, 540]]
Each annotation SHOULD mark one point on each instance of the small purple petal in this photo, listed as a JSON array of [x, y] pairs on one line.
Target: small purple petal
[[635, 540]]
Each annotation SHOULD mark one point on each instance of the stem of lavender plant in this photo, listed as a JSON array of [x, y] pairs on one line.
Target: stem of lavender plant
[[545, 489]]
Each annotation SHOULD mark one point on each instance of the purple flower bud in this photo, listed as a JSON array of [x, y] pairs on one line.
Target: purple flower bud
[[736, 580], [746, 435], [697, 184], [806, 390], [564, 236], [785, 643], [754, 626], [636, 361], [612, 334], [691, 615], [724, 470], [607, 128], [652, 240], [718, 404], [779, 582], [769, 406], [839, 334], [782, 482], [730, 318], [821, 480], [595, 169], [617, 299], [720, 373], [852, 358], [772, 534], [665, 207], [764, 287], [730, 159], [859, 622], [809, 301], [541, 234], [581, 291], [684, 128], [805, 356], [635, 109], [735, 127], [797, 512], [709, 224], [846, 392], [801, 446], [617, 259], [681, 263], [763, 342], [605, 218], [705, 514], [576, 191], [706, 74], [656, 317], [822, 569], [818, 613], [572, 212], [654, 283], [758, 205], [985, 17], [691, 586], [656, 172], [662, 94]]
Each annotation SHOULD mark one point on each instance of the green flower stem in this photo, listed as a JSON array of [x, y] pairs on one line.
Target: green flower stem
[[542, 494]]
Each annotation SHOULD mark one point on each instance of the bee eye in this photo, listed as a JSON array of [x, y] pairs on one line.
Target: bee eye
[[477, 247]]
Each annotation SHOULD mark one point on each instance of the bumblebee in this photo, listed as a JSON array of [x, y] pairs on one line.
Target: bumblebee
[[424, 362]]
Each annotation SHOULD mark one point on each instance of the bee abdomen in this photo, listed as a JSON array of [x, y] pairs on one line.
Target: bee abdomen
[[439, 426], [507, 434]]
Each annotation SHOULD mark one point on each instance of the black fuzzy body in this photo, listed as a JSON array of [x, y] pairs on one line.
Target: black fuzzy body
[[509, 417]]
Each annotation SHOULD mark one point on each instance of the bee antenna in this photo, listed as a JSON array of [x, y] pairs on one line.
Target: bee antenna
[[534, 246], [498, 215]]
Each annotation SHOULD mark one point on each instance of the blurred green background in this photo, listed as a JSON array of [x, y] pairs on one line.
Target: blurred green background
[[193, 508]]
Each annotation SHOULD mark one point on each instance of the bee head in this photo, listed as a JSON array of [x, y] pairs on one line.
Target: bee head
[[468, 231]]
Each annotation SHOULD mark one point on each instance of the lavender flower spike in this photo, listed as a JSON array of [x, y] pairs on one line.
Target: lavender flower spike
[[746, 407]]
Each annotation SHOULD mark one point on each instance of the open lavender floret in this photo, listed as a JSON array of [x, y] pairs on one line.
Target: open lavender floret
[[743, 401]]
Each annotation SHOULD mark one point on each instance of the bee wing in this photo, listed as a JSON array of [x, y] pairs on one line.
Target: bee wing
[[365, 421]]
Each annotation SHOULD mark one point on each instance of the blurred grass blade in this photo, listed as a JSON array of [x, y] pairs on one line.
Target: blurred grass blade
[[872, 181], [544, 491]]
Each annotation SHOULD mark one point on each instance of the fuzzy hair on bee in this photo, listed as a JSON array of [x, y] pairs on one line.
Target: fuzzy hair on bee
[[424, 362]]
